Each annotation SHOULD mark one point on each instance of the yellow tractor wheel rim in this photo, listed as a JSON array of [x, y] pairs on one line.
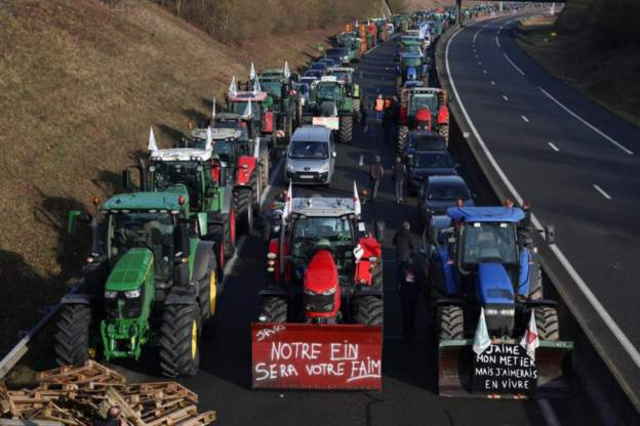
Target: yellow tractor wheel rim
[[194, 339], [213, 289]]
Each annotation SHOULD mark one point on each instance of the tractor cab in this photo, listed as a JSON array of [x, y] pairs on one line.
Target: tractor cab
[[411, 66], [344, 75], [422, 108]]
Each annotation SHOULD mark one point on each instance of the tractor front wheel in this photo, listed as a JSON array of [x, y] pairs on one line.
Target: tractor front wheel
[[443, 130], [368, 310], [547, 323], [208, 291], [450, 323], [179, 342], [357, 110], [72, 336], [243, 206], [273, 309], [346, 129]]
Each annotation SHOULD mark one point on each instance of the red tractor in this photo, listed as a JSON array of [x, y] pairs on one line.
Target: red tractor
[[324, 287], [422, 108]]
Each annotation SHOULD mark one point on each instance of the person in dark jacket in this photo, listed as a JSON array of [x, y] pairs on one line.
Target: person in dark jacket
[[376, 172], [408, 283], [399, 173]]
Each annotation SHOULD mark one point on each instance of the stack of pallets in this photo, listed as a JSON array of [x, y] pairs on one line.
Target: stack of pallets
[[78, 396]]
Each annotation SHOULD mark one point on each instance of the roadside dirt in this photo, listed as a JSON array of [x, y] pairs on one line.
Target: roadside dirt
[[606, 73], [80, 85]]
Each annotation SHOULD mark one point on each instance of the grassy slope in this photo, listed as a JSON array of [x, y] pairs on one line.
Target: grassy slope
[[80, 84], [593, 52]]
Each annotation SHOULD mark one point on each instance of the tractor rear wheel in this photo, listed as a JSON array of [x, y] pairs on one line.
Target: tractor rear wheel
[[346, 129], [179, 342], [547, 323], [403, 134], [378, 276], [72, 336], [243, 206], [443, 130], [273, 309], [450, 323], [264, 168], [357, 112], [368, 310]]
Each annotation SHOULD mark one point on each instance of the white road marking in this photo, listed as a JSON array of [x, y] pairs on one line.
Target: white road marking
[[586, 123], [498, 43], [505, 98], [475, 36], [601, 191], [512, 64], [555, 148], [484, 71], [526, 120], [493, 83], [582, 285], [479, 62]]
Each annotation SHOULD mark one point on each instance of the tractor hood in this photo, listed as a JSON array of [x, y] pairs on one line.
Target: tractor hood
[[322, 274], [494, 285], [131, 270]]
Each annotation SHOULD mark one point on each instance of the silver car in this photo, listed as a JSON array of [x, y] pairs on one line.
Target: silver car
[[310, 156]]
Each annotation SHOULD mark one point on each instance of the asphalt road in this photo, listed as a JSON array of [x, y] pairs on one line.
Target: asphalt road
[[578, 166], [409, 369]]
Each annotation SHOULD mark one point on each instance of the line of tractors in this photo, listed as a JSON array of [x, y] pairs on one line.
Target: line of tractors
[[157, 253]]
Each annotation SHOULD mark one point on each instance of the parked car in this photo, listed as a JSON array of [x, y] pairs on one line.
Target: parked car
[[422, 164], [438, 193], [424, 140], [310, 156]]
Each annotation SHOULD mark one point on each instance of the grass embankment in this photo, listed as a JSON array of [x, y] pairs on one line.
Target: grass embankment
[[594, 47], [80, 84]]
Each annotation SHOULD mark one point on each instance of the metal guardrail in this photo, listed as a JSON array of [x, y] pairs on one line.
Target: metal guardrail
[[21, 348]]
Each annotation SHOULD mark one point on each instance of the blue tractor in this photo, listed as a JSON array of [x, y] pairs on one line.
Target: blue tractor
[[411, 67], [483, 259]]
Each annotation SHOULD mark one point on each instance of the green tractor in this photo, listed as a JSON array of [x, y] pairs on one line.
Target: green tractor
[[331, 105], [286, 103], [352, 43], [149, 281], [209, 179], [344, 75]]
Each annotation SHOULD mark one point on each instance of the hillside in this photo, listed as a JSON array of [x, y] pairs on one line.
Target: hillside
[[80, 84], [594, 46]]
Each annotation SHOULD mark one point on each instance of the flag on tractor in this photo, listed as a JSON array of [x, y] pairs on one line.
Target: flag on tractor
[[481, 340], [530, 341]]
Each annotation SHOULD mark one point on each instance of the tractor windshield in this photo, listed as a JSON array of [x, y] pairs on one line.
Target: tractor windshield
[[484, 242], [144, 229], [412, 48], [332, 233], [329, 92], [273, 88], [412, 62], [187, 173], [423, 101], [223, 149]]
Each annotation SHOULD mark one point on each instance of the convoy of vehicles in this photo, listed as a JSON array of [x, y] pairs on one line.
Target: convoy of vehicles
[[157, 254]]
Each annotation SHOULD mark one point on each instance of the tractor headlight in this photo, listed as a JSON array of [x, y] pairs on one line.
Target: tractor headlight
[[133, 294], [499, 312], [110, 294], [329, 292]]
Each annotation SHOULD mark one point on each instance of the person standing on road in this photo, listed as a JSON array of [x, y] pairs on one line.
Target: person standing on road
[[379, 108], [376, 172], [387, 120], [407, 281], [399, 173]]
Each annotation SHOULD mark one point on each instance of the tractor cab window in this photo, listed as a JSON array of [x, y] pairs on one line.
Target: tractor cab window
[[223, 149], [412, 62], [412, 48], [310, 231], [273, 88], [154, 231], [328, 91], [423, 101], [484, 242], [188, 173]]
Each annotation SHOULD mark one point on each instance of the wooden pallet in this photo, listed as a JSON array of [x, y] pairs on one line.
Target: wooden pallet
[[77, 396]]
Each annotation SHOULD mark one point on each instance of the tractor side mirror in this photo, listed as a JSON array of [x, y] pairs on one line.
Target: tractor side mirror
[[203, 225], [183, 248], [550, 234], [126, 178], [71, 222], [379, 230]]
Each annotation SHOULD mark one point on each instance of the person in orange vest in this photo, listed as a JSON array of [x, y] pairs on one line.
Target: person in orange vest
[[379, 108]]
